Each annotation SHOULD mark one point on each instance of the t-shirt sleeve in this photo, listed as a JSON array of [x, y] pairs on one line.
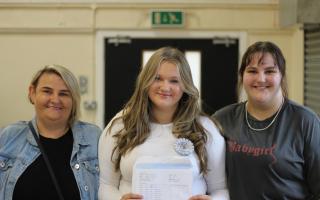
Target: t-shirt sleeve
[[312, 155]]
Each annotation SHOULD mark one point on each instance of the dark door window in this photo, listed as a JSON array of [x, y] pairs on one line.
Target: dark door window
[[219, 64]]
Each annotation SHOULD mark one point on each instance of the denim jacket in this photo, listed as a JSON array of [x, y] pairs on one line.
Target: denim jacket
[[18, 149]]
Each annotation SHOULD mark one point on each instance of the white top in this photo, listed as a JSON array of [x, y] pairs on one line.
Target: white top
[[160, 143]]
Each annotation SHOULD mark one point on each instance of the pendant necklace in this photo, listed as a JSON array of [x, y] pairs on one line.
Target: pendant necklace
[[272, 121]]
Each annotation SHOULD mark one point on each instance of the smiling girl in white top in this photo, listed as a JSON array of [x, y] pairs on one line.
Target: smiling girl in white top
[[163, 108]]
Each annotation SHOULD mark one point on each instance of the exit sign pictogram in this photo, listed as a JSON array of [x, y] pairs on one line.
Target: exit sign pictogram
[[167, 18]]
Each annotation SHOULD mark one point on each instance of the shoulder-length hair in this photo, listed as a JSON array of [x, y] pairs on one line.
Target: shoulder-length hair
[[71, 83], [265, 47], [136, 113]]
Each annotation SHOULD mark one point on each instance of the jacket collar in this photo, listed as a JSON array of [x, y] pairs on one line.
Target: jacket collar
[[80, 137], [30, 137]]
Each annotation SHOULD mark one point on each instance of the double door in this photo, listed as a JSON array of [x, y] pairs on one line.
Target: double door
[[214, 64]]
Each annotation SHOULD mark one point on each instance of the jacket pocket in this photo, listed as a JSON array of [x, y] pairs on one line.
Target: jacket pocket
[[90, 178], [92, 166], [6, 164]]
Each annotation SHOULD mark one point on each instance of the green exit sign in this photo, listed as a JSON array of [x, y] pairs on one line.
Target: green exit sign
[[167, 18]]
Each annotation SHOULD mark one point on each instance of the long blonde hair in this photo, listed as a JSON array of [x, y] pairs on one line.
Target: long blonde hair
[[136, 113]]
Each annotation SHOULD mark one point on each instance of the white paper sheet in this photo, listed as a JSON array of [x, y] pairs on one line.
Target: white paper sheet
[[162, 178]]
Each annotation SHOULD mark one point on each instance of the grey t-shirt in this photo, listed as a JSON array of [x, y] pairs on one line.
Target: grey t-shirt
[[281, 162]]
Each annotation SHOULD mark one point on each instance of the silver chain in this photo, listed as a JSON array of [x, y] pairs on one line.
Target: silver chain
[[262, 129]]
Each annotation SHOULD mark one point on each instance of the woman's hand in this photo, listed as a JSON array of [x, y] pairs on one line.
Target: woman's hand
[[129, 196], [200, 197]]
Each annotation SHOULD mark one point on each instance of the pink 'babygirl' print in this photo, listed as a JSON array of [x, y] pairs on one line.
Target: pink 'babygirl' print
[[233, 146]]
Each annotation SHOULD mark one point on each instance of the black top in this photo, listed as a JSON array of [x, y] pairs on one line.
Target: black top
[[35, 182], [279, 163]]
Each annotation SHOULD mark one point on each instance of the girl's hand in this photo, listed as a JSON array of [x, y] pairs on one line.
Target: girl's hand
[[200, 197], [129, 196]]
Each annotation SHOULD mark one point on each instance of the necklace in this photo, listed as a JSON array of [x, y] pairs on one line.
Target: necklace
[[272, 121]]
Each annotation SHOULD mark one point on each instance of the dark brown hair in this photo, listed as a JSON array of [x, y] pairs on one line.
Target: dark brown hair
[[264, 47]]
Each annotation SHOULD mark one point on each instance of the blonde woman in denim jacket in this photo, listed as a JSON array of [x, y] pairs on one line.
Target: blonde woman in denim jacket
[[70, 145]]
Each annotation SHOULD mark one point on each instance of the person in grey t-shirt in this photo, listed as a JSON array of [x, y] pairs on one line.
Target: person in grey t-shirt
[[273, 144]]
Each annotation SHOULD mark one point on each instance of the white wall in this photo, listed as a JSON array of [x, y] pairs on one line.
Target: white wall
[[64, 32]]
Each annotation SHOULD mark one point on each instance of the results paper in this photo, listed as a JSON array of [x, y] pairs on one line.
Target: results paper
[[163, 178]]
